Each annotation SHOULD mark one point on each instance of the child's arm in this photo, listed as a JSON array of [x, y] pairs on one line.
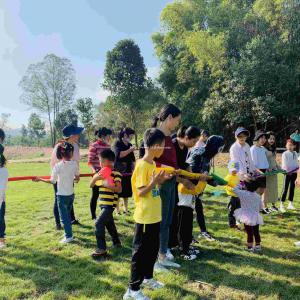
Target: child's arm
[[38, 179], [155, 179], [95, 178]]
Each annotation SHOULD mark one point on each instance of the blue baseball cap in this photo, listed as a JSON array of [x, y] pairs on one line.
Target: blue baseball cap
[[70, 130], [241, 130]]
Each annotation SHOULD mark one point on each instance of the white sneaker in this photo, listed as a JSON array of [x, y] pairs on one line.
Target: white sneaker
[[297, 244], [159, 268], [189, 256], [281, 208], [169, 255], [66, 240], [167, 263], [137, 295], [291, 206], [152, 284]]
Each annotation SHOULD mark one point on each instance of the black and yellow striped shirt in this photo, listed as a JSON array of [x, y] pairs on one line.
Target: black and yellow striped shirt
[[106, 196]]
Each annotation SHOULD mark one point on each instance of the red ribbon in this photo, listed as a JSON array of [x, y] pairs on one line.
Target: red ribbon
[[20, 178]]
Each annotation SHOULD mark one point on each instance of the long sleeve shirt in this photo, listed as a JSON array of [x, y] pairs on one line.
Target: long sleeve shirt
[[259, 157], [94, 154], [290, 161], [241, 154]]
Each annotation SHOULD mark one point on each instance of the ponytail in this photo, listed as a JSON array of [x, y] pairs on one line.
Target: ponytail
[[167, 110]]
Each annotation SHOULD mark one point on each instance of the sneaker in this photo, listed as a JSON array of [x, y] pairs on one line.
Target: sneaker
[[297, 244], [167, 263], [58, 227], [76, 222], [207, 236], [281, 208], [274, 208], [66, 240], [250, 249], [2, 243], [265, 211], [152, 284], [257, 248], [169, 255], [99, 254], [159, 268], [136, 295], [189, 256], [291, 206]]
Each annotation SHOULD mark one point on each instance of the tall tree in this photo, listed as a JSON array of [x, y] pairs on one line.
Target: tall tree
[[125, 78], [86, 113], [49, 87], [36, 128]]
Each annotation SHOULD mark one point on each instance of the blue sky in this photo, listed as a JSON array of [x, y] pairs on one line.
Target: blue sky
[[81, 30]]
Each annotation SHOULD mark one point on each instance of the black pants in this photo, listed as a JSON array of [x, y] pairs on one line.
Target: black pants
[[253, 231], [200, 214], [144, 254], [289, 182], [173, 233], [185, 227], [106, 220], [93, 202], [55, 208], [233, 204]]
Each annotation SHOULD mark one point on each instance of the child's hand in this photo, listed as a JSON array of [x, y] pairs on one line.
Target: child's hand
[[36, 179], [188, 184], [204, 177], [158, 178], [77, 179], [106, 184]]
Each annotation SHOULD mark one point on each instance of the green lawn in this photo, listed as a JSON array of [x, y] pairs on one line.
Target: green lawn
[[35, 266]]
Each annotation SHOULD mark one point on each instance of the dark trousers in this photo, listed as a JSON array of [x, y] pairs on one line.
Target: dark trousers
[[200, 214], [2, 220], [56, 210], [106, 220], [93, 202], [144, 253], [173, 233], [233, 204], [289, 182], [185, 227], [252, 231]]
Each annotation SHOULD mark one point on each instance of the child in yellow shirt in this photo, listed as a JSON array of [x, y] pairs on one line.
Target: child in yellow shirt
[[147, 215], [233, 180]]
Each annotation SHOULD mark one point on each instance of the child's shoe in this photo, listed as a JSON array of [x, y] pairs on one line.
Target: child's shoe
[[265, 211], [76, 222], [207, 236], [250, 249], [66, 240], [189, 256], [291, 206], [167, 263], [274, 208], [136, 295], [152, 284], [297, 244], [159, 268], [2, 243], [169, 255], [281, 208], [194, 250], [257, 248], [99, 254]]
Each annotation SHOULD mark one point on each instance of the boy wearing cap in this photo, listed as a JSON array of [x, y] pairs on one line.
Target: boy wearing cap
[[240, 153], [233, 180], [71, 134]]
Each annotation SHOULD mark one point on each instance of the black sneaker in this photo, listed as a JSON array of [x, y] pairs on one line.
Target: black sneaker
[[274, 208], [207, 236], [193, 250], [76, 222], [265, 211]]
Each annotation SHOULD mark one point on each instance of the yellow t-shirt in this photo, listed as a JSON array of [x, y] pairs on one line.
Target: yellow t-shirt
[[148, 207], [233, 181]]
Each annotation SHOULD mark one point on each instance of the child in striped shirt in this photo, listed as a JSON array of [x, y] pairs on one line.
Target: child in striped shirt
[[108, 198]]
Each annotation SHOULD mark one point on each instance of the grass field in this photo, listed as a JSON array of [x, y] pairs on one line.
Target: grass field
[[35, 266]]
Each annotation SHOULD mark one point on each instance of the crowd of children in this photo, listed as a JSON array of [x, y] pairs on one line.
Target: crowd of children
[[165, 198]]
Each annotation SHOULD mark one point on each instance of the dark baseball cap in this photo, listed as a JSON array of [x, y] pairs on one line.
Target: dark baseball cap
[[70, 130]]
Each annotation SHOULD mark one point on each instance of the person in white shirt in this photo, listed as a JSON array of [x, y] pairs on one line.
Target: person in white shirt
[[64, 173], [71, 135], [290, 165], [3, 186], [240, 153]]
